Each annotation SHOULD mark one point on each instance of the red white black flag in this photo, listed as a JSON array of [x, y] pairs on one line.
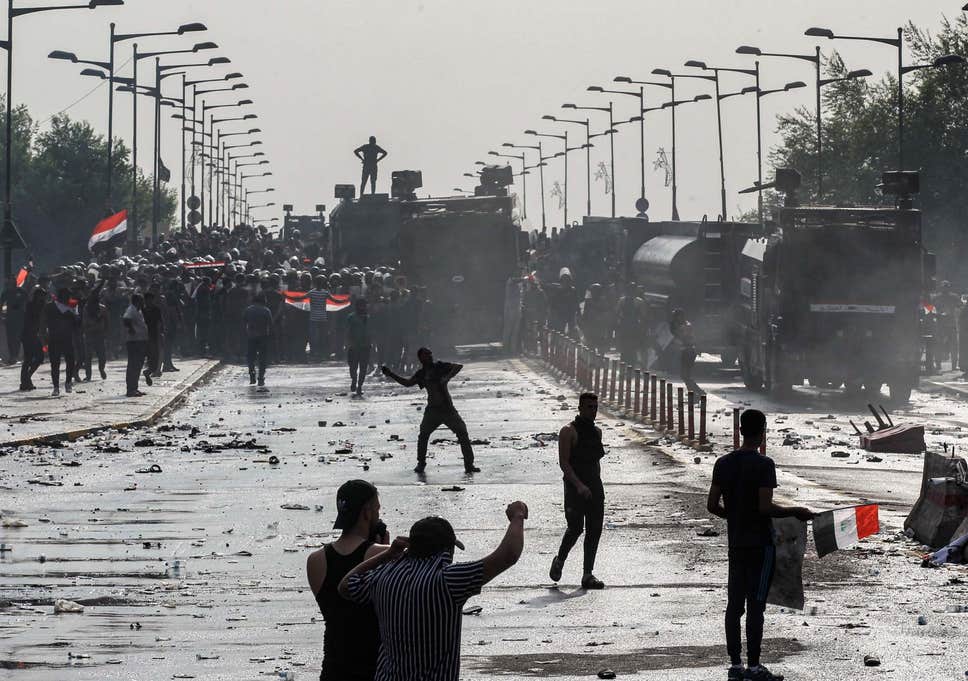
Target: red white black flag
[[108, 229]]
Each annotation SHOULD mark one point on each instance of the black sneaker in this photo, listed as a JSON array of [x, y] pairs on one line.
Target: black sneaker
[[147, 376], [251, 379], [557, 565], [735, 672], [104, 374], [471, 469], [420, 467], [591, 582], [761, 673], [262, 382]]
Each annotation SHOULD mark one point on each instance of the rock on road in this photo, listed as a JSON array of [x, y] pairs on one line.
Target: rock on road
[[197, 571]]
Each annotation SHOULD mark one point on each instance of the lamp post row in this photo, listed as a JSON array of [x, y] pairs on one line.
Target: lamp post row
[[820, 82]]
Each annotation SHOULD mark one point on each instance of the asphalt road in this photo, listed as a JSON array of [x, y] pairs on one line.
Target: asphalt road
[[198, 572]]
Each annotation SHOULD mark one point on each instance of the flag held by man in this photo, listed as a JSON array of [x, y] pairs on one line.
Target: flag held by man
[[109, 228], [844, 527]]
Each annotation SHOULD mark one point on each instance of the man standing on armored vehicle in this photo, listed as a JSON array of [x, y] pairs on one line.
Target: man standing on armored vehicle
[[370, 154]]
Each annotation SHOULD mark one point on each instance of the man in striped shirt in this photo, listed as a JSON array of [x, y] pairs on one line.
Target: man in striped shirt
[[418, 595], [318, 337]]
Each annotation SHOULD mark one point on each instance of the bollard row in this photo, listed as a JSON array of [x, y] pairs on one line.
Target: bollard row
[[622, 387]]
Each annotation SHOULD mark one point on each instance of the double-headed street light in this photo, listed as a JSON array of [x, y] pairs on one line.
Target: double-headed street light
[[672, 105], [898, 43], [540, 165], [564, 139], [588, 155], [611, 124], [9, 236]]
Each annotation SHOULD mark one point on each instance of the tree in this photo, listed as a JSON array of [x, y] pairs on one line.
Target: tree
[[860, 140], [60, 187]]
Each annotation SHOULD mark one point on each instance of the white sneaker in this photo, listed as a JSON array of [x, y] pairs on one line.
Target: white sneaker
[[56, 392]]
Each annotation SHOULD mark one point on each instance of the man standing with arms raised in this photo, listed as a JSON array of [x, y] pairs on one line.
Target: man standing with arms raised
[[580, 452], [433, 377], [742, 493]]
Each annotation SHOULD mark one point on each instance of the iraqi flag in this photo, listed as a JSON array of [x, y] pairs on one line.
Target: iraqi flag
[[297, 299], [108, 228], [843, 527], [337, 302]]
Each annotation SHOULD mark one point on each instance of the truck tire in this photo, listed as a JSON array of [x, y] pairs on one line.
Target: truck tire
[[751, 379], [901, 392], [777, 383]]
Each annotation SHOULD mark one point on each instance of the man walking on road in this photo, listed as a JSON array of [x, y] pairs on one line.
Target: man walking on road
[[62, 321], [370, 154], [135, 334], [433, 377], [742, 493], [258, 328], [580, 452], [352, 638], [418, 594]]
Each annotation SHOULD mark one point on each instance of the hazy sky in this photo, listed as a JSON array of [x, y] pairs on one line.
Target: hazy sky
[[441, 82]]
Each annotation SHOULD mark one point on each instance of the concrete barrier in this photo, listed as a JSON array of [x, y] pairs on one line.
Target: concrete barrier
[[942, 507]]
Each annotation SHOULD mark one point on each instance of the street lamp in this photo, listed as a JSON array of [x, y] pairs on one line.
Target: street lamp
[[611, 124], [9, 236], [524, 178], [719, 121], [898, 43], [588, 155], [541, 166], [673, 104], [205, 109], [564, 139], [641, 96]]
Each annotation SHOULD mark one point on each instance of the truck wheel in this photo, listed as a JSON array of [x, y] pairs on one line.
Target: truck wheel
[[751, 380], [901, 392], [778, 384]]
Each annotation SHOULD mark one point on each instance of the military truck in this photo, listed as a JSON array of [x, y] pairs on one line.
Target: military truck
[[832, 295]]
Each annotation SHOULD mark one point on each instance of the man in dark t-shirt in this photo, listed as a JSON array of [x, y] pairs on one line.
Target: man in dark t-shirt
[[433, 377], [742, 493], [370, 155]]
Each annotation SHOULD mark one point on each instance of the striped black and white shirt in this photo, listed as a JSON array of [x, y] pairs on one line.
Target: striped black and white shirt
[[418, 603], [317, 304]]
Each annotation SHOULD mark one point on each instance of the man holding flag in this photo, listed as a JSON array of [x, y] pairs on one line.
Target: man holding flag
[[742, 493]]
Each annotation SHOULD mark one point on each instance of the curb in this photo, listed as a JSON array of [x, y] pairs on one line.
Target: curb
[[959, 392], [172, 402]]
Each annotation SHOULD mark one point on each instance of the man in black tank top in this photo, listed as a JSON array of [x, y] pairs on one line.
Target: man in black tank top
[[351, 641], [580, 452]]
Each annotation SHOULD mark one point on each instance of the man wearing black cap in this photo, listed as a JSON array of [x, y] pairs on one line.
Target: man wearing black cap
[[433, 377], [351, 640], [418, 594]]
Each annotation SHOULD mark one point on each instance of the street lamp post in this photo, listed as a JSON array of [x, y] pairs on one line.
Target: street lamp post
[[588, 156], [641, 95], [564, 139], [9, 236], [205, 109], [719, 122], [524, 178], [611, 125], [673, 104], [541, 167]]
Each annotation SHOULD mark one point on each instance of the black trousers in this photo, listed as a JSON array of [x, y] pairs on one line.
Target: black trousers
[[433, 418], [153, 350], [358, 359], [33, 358], [58, 349], [368, 174], [750, 576], [137, 351], [258, 354], [584, 515], [94, 344]]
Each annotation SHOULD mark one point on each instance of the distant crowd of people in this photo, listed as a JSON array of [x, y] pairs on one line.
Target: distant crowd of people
[[238, 295]]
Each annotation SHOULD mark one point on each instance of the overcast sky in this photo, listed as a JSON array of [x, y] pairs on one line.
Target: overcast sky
[[441, 82]]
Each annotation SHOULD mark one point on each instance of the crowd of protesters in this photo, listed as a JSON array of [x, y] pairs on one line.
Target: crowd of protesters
[[239, 296]]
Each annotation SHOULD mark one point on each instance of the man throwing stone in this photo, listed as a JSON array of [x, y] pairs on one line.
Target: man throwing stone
[[580, 452], [433, 377]]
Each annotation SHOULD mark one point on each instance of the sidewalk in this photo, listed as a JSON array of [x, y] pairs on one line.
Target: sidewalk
[[947, 380], [95, 405]]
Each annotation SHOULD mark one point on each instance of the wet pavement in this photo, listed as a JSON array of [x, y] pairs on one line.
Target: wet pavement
[[196, 570], [92, 405]]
